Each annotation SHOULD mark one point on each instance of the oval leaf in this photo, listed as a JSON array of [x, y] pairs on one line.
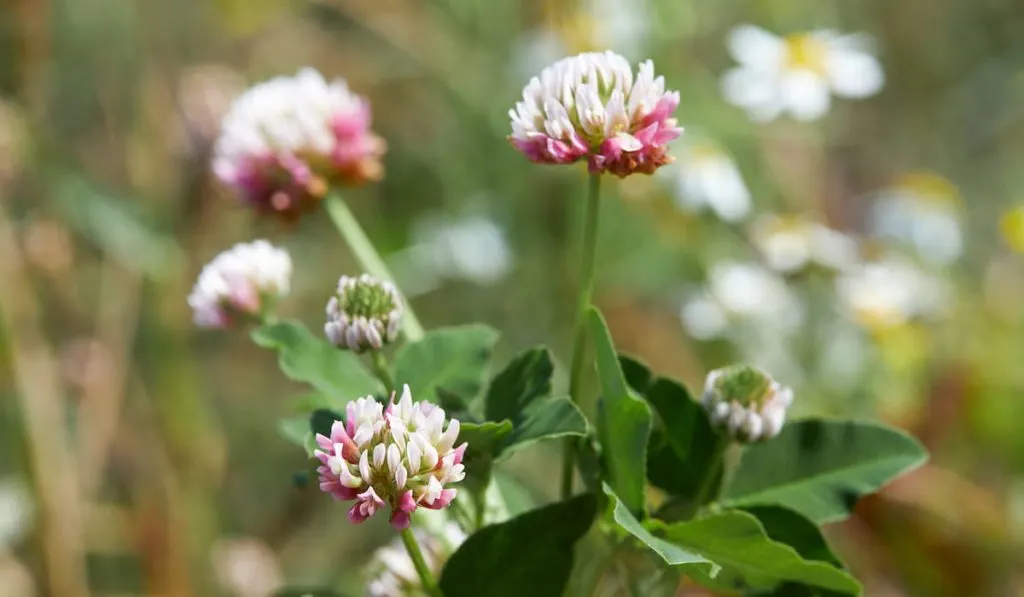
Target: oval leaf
[[820, 468], [305, 358], [672, 554], [748, 557], [623, 423], [526, 378], [548, 418], [452, 359], [531, 554], [786, 526]]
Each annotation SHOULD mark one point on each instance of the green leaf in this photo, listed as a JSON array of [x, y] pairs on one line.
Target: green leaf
[[548, 418], [526, 378], [683, 445], [485, 441], [638, 375], [738, 543], [674, 555], [623, 423], [453, 359], [531, 554], [821, 468], [308, 359], [786, 526], [296, 430]]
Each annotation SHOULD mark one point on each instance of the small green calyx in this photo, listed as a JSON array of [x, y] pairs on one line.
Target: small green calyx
[[367, 299], [744, 384]]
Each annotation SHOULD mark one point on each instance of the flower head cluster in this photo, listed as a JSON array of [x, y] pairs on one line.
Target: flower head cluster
[[285, 140], [364, 314], [590, 106], [392, 570], [746, 403], [243, 281], [401, 456], [798, 73]]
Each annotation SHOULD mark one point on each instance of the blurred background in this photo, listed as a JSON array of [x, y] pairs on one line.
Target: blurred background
[[870, 258]]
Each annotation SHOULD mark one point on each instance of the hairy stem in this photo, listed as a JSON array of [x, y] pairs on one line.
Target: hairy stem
[[580, 332]]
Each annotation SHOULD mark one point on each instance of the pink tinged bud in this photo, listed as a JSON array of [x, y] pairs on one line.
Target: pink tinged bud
[[400, 520], [394, 459], [401, 476], [407, 503], [460, 452], [442, 500], [364, 467], [325, 443]]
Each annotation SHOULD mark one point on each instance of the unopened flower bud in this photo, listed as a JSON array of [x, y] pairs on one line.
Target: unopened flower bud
[[364, 314], [401, 456], [241, 282], [745, 403]]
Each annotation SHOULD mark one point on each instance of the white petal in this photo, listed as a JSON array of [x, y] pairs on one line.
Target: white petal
[[854, 74], [805, 94], [749, 88], [754, 46], [414, 455]]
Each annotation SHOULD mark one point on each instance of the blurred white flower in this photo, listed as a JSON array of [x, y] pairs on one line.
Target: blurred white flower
[[17, 511], [471, 247], [246, 567], [243, 281], [740, 292], [790, 244], [797, 74], [365, 313], [391, 571], [745, 403], [923, 211], [892, 292], [706, 177]]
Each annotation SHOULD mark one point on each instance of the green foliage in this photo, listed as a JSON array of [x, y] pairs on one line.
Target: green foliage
[[525, 378], [453, 359], [297, 431], [623, 423], [305, 358], [485, 441], [789, 527], [673, 555], [820, 468], [531, 554]]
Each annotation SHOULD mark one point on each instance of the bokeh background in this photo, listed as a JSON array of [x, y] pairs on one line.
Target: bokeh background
[[139, 456]]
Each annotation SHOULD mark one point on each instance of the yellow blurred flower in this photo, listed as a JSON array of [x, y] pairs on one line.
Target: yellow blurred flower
[[1011, 225]]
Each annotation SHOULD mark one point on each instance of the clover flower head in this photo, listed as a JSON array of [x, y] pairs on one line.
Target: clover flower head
[[284, 141], [392, 570], [401, 456], [244, 281], [745, 403], [591, 106], [364, 314]]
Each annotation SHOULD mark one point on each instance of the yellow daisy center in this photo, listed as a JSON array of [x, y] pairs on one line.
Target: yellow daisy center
[[805, 51]]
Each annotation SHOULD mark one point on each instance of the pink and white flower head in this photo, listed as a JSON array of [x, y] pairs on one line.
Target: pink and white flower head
[[589, 106], [745, 403], [400, 456], [284, 141], [364, 314], [243, 282]]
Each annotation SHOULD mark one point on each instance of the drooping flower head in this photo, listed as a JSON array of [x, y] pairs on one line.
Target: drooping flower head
[[244, 281], [798, 73], [286, 140], [401, 456], [365, 313], [590, 106], [745, 403], [392, 571]]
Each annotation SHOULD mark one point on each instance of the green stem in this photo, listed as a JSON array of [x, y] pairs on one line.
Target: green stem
[[429, 584], [580, 332], [380, 368], [480, 506], [706, 490], [367, 255]]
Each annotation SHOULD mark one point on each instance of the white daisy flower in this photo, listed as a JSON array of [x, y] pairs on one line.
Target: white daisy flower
[[797, 74], [923, 211], [891, 292], [790, 243], [706, 177]]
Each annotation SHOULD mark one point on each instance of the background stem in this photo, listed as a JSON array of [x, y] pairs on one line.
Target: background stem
[[367, 256], [429, 585], [380, 368], [580, 331]]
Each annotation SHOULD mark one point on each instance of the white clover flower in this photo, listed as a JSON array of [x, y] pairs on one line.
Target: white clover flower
[[243, 281], [790, 244], [286, 140], [745, 403], [401, 456], [364, 314], [923, 211], [798, 73], [707, 177], [392, 572], [891, 292], [589, 106]]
